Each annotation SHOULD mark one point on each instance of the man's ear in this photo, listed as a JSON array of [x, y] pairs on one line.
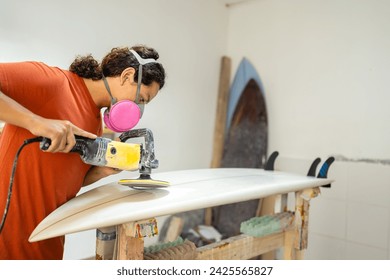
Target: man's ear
[[128, 74]]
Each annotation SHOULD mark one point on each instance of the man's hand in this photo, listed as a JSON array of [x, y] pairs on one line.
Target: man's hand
[[61, 133]]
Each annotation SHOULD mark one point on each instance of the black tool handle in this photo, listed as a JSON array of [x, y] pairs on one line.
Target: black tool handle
[[45, 143], [77, 148]]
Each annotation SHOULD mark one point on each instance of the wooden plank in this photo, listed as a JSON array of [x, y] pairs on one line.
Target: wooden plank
[[221, 113], [175, 228], [241, 247], [220, 121]]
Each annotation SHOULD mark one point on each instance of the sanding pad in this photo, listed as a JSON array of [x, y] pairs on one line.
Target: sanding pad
[[144, 182]]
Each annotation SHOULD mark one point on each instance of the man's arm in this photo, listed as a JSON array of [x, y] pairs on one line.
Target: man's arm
[[60, 132], [96, 173]]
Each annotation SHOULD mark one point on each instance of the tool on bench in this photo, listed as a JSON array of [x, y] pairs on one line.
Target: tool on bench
[[120, 155]]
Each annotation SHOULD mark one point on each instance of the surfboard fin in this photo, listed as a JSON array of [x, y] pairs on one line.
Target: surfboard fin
[[271, 161], [313, 167], [324, 170], [144, 182]]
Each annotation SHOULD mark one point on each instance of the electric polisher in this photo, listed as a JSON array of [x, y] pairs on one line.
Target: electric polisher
[[120, 155]]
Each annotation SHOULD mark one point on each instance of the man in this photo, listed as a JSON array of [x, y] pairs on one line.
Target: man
[[39, 100]]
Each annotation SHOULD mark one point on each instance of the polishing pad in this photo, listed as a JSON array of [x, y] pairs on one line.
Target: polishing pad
[[144, 182]]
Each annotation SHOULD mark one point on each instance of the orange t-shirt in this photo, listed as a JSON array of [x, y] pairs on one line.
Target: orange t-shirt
[[43, 181]]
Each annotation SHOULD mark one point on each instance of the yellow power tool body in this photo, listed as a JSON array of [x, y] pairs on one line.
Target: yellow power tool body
[[120, 155], [105, 152]]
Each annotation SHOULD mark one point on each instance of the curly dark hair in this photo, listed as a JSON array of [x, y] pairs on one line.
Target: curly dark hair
[[117, 60]]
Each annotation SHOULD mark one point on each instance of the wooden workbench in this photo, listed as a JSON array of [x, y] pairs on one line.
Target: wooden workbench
[[291, 238]]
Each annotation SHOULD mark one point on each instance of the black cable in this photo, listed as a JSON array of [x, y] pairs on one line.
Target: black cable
[[11, 180]]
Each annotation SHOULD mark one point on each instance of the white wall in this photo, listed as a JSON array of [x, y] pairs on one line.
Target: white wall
[[189, 35], [324, 66]]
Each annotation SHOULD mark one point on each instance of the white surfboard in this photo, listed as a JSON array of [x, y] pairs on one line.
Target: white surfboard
[[114, 204]]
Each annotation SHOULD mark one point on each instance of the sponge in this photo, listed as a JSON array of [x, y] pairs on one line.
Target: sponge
[[268, 224]]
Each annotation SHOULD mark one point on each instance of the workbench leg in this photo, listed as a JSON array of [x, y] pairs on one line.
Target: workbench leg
[[130, 242], [289, 245], [302, 207], [105, 243], [129, 247], [268, 208]]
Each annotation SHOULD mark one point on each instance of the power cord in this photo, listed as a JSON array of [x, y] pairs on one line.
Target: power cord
[[11, 180]]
